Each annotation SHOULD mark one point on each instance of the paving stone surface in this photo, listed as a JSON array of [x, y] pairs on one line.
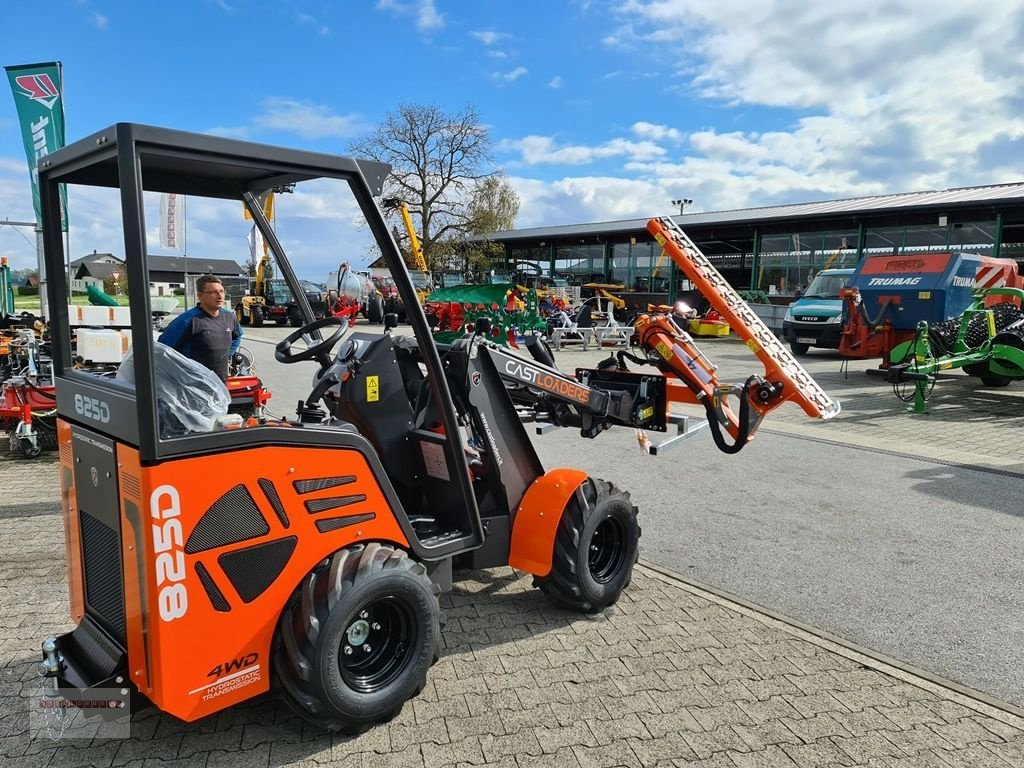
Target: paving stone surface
[[670, 676]]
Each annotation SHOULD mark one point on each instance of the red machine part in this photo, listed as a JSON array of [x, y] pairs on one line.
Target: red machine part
[[346, 308], [19, 398]]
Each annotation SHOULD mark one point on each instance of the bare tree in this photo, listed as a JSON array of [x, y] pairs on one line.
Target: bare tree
[[440, 163], [492, 208]]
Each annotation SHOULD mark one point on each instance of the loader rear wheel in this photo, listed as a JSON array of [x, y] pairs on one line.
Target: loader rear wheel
[[357, 638], [256, 317], [595, 549]]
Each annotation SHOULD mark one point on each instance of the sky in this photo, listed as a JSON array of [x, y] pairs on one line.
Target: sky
[[597, 110]]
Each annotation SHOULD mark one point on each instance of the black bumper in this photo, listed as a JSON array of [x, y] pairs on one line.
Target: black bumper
[[825, 335]]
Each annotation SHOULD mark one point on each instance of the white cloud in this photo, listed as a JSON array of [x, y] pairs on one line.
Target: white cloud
[[310, 121], [586, 199], [656, 132], [555, 82], [99, 21], [489, 36], [541, 150], [894, 95], [510, 77], [423, 11]]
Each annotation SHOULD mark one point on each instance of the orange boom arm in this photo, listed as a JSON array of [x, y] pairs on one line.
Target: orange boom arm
[[784, 378]]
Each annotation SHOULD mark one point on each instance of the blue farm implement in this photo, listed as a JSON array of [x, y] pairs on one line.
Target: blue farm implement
[[888, 297]]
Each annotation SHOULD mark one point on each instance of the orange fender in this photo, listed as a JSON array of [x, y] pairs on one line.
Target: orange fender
[[536, 520]]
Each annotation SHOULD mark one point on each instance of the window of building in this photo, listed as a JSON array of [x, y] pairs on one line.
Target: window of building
[[789, 262], [580, 263]]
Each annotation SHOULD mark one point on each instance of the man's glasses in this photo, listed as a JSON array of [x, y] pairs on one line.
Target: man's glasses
[[219, 293]]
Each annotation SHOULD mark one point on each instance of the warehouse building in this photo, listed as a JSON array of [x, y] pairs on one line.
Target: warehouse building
[[776, 250]]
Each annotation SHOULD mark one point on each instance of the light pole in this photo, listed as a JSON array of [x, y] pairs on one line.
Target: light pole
[[682, 203]]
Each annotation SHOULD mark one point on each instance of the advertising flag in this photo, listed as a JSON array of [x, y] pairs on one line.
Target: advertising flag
[[257, 245], [169, 220], [267, 199], [37, 97]]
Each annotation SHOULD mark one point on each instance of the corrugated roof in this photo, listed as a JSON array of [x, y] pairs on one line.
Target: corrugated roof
[[197, 265], [960, 196]]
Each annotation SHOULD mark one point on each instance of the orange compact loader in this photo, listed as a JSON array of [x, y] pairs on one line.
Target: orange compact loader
[[209, 564]]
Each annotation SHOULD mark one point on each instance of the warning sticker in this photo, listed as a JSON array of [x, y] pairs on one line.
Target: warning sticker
[[372, 389]]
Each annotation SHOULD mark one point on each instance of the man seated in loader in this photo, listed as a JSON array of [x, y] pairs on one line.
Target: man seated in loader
[[208, 333]]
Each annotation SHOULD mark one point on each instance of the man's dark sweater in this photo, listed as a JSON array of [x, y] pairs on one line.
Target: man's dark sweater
[[207, 339]]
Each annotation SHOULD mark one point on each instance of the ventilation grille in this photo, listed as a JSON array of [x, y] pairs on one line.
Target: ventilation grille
[[104, 587], [233, 518], [329, 524], [131, 486], [65, 452], [217, 599], [320, 483], [253, 569], [267, 486], [314, 506]]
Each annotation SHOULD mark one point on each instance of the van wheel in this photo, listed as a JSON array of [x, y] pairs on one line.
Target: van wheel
[[595, 549], [799, 349], [357, 638]]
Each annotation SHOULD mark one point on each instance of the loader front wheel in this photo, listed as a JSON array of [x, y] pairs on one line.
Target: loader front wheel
[[595, 549], [357, 638]]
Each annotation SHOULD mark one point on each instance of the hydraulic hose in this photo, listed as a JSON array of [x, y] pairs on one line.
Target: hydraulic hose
[[743, 426]]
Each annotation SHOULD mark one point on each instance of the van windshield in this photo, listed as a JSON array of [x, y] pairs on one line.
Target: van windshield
[[826, 286]]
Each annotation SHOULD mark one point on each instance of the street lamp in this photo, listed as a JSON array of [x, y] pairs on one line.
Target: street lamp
[[682, 203]]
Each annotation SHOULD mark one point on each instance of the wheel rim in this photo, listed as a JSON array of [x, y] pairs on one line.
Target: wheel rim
[[377, 645], [607, 550]]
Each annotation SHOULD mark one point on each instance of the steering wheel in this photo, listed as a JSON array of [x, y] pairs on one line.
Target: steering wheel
[[283, 351]]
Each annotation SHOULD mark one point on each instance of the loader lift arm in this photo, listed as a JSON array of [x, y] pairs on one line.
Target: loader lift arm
[[630, 399], [687, 375]]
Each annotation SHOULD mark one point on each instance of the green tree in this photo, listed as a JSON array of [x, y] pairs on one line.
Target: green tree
[[442, 169]]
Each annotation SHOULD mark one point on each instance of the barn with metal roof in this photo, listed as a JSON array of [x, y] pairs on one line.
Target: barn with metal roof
[[777, 249]]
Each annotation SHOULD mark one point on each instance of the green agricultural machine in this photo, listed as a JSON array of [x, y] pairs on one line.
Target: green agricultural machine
[[987, 341]]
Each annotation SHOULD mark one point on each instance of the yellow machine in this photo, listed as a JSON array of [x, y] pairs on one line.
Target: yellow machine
[[251, 309], [420, 274]]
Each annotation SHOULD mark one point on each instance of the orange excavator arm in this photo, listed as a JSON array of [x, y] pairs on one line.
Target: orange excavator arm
[[613, 395], [784, 378]]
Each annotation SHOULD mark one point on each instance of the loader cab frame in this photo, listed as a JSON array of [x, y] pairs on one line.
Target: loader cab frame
[[134, 159]]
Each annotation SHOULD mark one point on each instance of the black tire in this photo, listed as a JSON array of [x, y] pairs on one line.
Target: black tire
[[975, 369], [995, 380], [380, 604], [281, 320], [256, 316], [595, 549], [799, 349], [243, 319], [29, 449], [375, 310], [295, 319]]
